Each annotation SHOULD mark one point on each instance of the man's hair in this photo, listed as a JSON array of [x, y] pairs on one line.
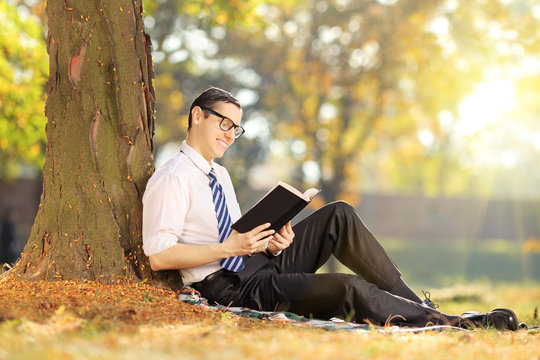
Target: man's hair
[[211, 96]]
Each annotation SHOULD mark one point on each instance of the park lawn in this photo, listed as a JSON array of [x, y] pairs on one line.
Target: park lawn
[[73, 320]]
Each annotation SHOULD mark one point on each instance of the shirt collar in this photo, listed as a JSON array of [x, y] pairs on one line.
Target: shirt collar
[[196, 157]]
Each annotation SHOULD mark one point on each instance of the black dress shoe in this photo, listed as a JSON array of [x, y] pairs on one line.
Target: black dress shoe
[[500, 319]]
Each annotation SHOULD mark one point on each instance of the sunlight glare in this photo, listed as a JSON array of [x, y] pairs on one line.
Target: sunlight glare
[[485, 106]]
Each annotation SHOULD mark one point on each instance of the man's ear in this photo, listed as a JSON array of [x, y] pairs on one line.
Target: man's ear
[[196, 115]]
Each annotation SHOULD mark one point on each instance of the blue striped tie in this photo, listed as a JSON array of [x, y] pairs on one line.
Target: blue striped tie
[[234, 263]]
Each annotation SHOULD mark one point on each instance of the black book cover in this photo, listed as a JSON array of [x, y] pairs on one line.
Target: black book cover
[[277, 207]]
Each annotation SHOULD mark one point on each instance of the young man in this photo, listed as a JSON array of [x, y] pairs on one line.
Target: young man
[[189, 205]]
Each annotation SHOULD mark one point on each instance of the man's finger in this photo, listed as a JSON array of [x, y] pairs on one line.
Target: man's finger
[[264, 234], [280, 240], [289, 229], [259, 243], [285, 237], [259, 228], [284, 230], [279, 237]]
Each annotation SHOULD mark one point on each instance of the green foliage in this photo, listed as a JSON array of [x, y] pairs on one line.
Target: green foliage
[[352, 89], [347, 87], [232, 13], [348, 79], [225, 316], [371, 91], [148, 297], [23, 73], [149, 6], [186, 57]]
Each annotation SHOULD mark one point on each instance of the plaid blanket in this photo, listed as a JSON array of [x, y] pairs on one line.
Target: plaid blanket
[[193, 297]]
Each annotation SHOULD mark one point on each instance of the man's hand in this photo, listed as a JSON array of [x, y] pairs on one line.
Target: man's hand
[[248, 243], [282, 239]]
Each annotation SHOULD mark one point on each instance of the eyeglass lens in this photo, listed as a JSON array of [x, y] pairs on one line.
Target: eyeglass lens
[[227, 124]]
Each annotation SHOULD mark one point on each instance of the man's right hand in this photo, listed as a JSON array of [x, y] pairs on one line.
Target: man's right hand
[[248, 243]]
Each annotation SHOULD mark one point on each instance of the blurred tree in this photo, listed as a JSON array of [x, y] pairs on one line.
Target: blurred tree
[[352, 76], [23, 73], [498, 40], [403, 67], [373, 82], [185, 37]]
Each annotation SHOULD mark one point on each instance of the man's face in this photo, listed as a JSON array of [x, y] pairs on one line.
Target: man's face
[[206, 136]]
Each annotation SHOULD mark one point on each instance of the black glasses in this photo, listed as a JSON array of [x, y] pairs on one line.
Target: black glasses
[[226, 124]]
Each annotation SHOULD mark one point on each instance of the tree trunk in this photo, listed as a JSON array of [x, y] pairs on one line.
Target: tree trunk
[[100, 109]]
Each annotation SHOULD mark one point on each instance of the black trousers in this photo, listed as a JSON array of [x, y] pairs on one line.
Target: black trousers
[[288, 281]]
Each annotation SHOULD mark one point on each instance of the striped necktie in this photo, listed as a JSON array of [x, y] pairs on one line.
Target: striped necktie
[[234, 263]]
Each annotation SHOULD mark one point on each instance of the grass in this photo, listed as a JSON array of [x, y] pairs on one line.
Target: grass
[[224, 342], [90, 321], [73, 320]]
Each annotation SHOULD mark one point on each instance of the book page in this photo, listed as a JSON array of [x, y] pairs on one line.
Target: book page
[[307, 195], [310, 193]]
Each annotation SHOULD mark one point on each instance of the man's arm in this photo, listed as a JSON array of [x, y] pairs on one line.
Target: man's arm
[[182, 256]]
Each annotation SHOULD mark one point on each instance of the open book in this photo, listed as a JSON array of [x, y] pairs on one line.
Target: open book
[[278, 206]]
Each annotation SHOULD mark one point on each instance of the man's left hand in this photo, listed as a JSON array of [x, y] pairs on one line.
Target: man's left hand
[[282, 239]]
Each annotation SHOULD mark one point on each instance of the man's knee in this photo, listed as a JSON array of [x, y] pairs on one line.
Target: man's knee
[[342, 206]]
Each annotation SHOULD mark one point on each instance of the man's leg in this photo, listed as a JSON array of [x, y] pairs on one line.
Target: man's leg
[[337, 229], [345, 296]]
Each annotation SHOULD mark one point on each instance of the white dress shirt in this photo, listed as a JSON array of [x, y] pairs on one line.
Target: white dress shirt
[[178, 207]]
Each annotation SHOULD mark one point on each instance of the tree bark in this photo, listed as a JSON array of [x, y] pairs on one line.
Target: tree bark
[[100, 111]]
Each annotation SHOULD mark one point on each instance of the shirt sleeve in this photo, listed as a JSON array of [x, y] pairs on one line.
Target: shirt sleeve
[[165, 204]]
